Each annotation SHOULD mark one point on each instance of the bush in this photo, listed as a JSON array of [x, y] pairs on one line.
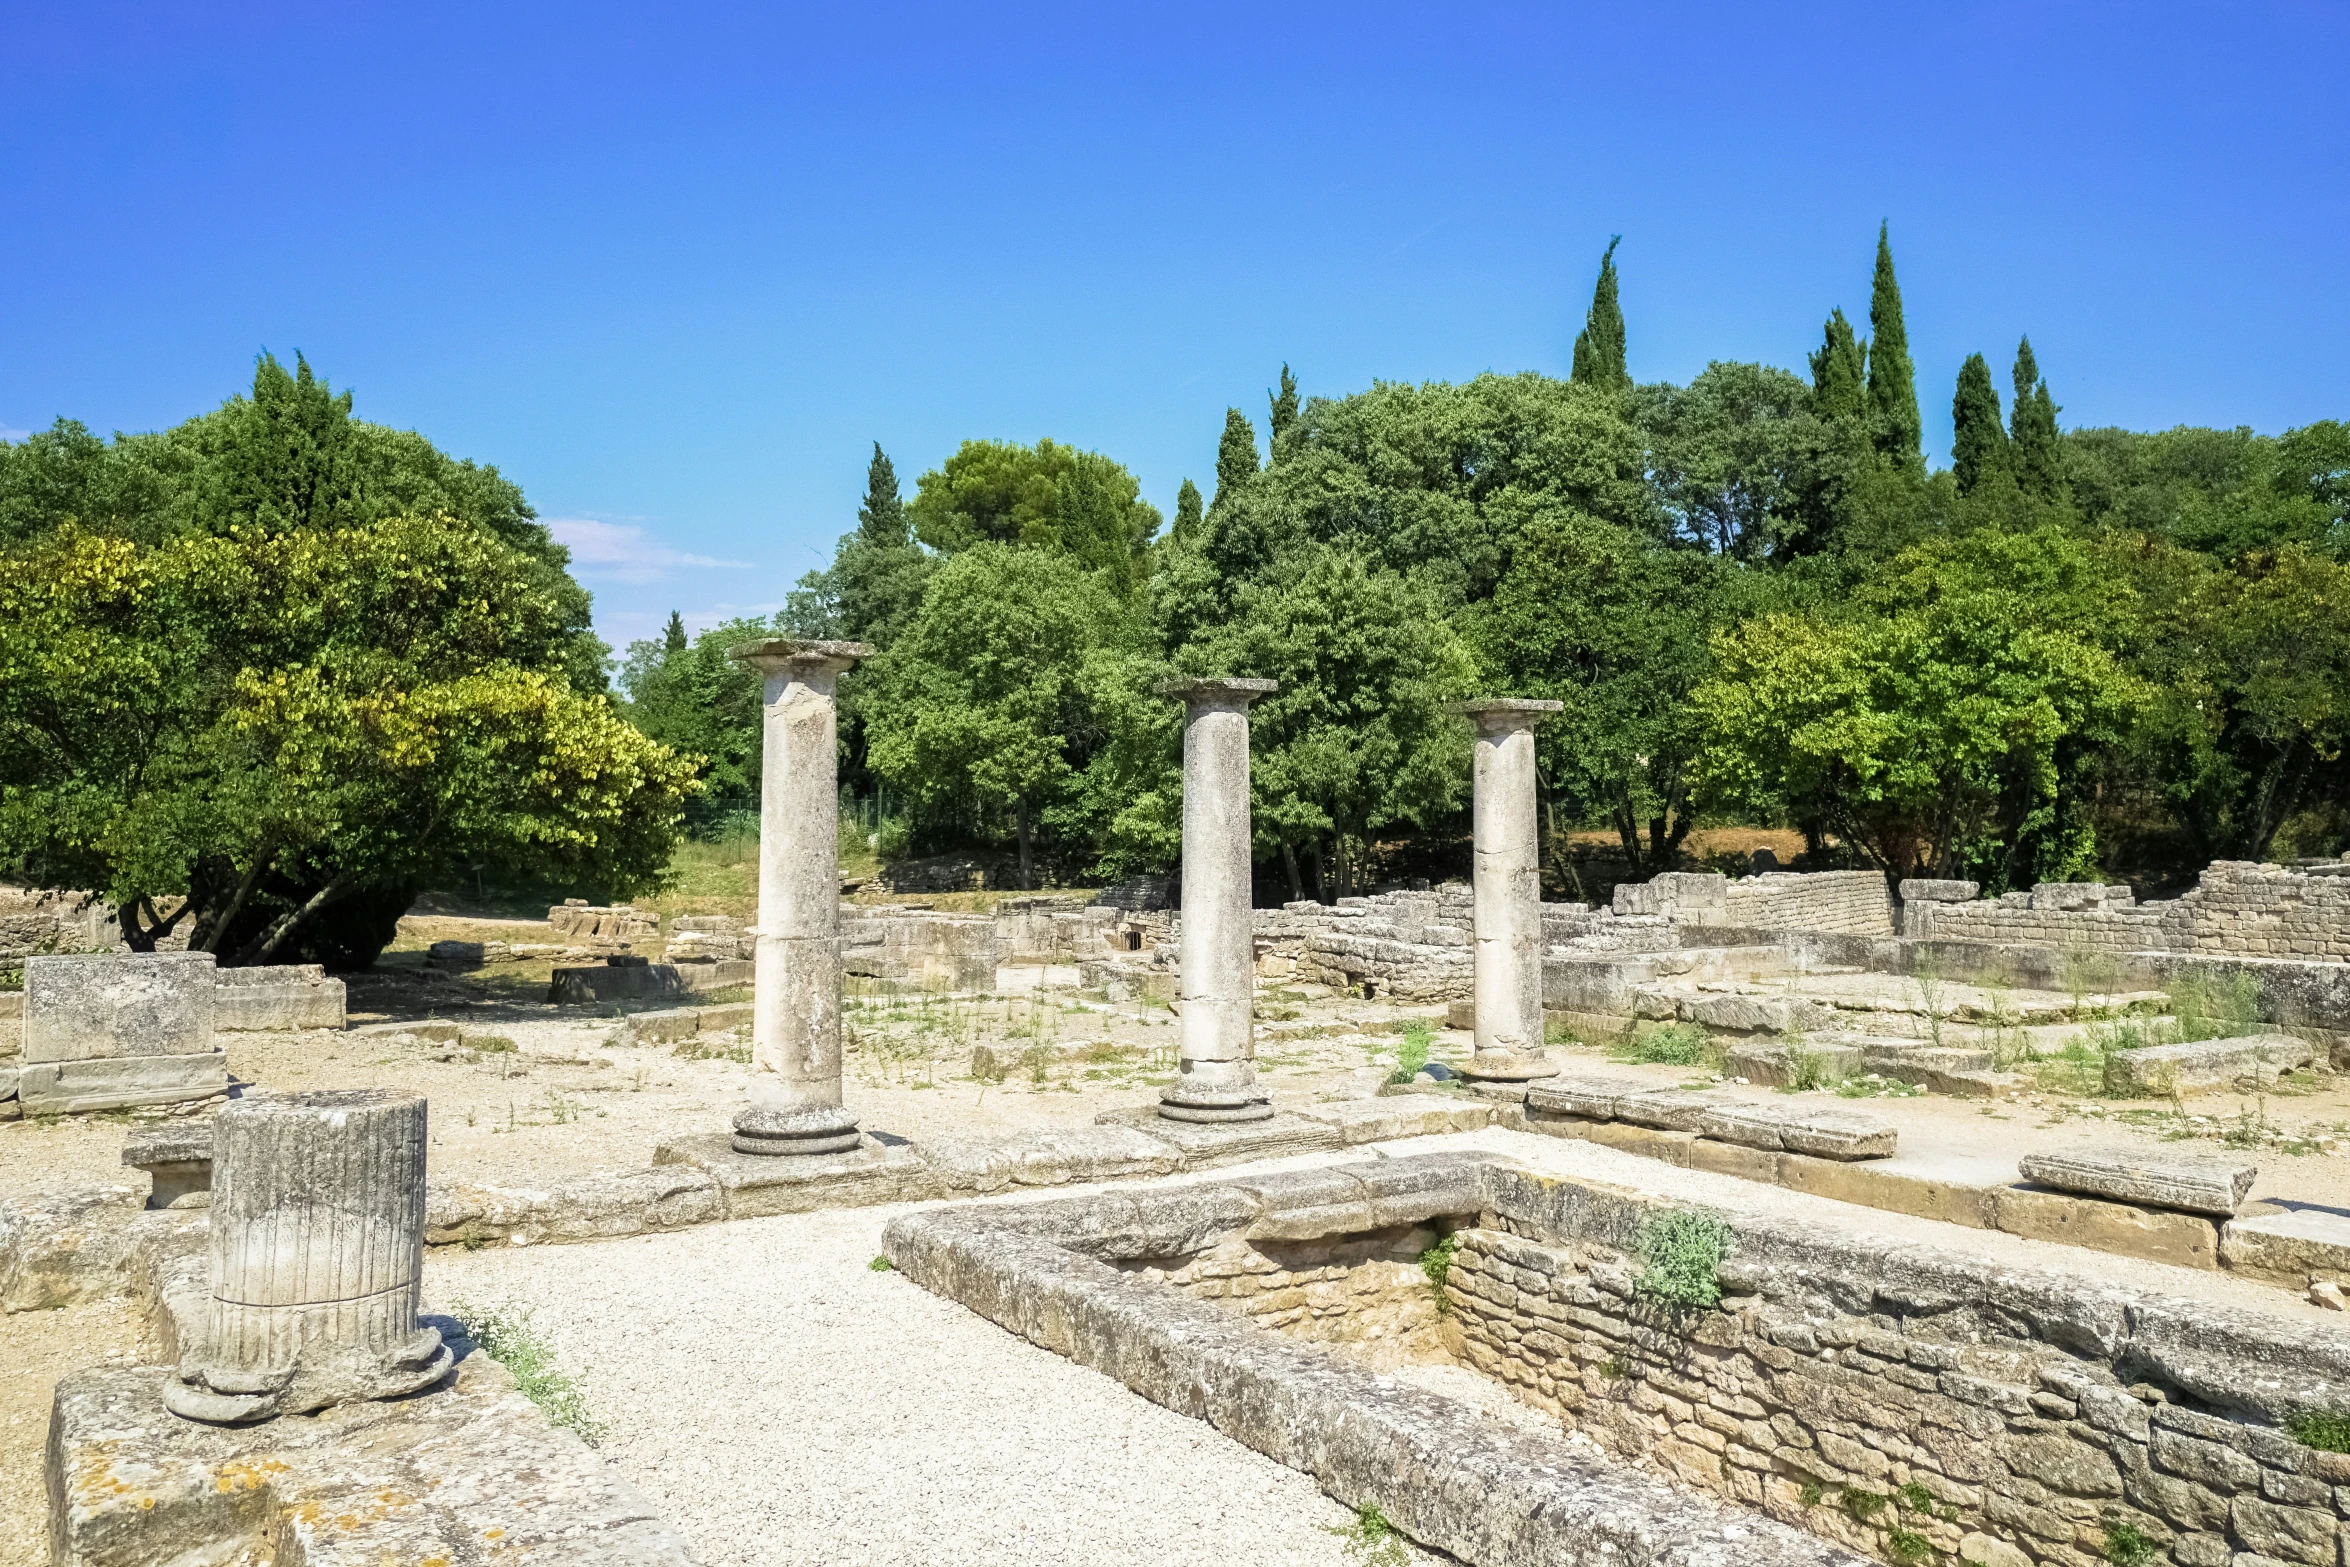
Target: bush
[[1436, 1263], [1681, 1255], [2322, 1429], [1676, 1044]]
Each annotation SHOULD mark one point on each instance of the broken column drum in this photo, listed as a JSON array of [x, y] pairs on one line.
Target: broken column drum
[[1509, 893], [317, 1259], [795, 1022], [1218, 1076]]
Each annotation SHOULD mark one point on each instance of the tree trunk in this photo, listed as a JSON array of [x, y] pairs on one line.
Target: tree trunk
[[1321, 881], [1020, 825], [262, 948], [1297, 890]]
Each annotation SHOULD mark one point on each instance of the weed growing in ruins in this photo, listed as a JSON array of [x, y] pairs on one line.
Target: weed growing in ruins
[[1927, 976], [1371, 1538], [2326, 1430], [881, 1265], [1907, 1547], [1808, 1069], [1436, 1263], [1861, 1506], [1614, 1369], [1410, 1056], [2251, 1129], [2127, 1545], [1915, 1498], [490, 1044], [2220, 1007], [508, 1335], [1675, 1044], [1811, 1493], [1681, 1255]]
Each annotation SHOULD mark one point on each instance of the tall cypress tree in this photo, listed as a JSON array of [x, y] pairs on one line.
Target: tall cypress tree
[[673, 638], [881, 517], [1978, 446], [1599, 347], [1187, 511], [2036, 457], [1893, 383], [1284, 408], [1839, 372], [1236, 456]]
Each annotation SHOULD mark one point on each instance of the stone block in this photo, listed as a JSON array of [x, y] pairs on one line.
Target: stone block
[[286, 997], [754, 1186], [177, 1157], [2210, 1066], [605, 982], [430, 1030], [1921, 889], [73, 1087], [733, 1014], [2298, 1249], [663, 1027], [117, 1005], [1823, 1134], [2158, 1235], [725, 974], [1402, 1115], [1205, 1143], [457, 954], [67, 1245], [1592, 1098], [1666, 1109], [2192, 1183], [1777, 1066]]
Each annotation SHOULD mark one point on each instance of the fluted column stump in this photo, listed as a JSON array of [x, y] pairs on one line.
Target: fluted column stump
[[1218, 1076], [795, 1011], [317, 1259], [1509, 893]]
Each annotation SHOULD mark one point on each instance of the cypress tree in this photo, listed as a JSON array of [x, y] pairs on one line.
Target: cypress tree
[[1599, 347], [1839, 372], [2035, 456], [1978, 446], [1284, 408], [1187, 511], [881, 518], [1236, 456], [673, 639], [1893, 386]]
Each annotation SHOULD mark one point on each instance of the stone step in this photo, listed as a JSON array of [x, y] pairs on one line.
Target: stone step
[[2191, 1183], [2211, 1066]]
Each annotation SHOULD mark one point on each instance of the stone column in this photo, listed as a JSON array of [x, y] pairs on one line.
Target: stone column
[[1509, 893], [795, 1021], [1218, 1080], [317, 1259]]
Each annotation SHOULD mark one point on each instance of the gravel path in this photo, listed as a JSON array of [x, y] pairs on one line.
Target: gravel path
[[781, 1402]]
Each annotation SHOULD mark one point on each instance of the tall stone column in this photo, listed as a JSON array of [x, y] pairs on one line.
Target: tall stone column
[[317, 1259], [1218, 1079], [795, 1020], [1509, 893]]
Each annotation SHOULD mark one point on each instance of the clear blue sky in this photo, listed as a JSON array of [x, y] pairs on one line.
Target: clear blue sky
[[675, 268]]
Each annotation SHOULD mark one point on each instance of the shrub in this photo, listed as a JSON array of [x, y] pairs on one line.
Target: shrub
[[2126, 1545], [1681, 1255], [1411, 1055], [1436, 1263], [2323, 1429], [1907, 1547], [1676, 1044], [1861, 1506]]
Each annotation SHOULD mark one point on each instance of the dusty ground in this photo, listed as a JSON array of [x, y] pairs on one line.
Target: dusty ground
[[36, 1348]]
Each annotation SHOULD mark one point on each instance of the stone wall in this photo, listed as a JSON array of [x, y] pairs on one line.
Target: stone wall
[[1366, 1291], [1917, 1406], [2236, 909], [276, 996], [1412, 945], [1851, 902]]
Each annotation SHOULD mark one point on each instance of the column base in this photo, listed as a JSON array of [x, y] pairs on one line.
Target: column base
[[1509, 1066], [758, 1131], [1198, 1102]]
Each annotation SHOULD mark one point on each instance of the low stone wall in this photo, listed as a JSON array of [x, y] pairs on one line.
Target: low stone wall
[[1366, 1291], [2236, 909], [1916, 1402], [1853, 902], [277, 997], [1413, 946], [618, 928], [937, 952]]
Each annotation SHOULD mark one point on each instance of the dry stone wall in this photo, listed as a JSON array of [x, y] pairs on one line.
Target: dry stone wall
[[1366, 1291], [2237, 909], [1854, 903]]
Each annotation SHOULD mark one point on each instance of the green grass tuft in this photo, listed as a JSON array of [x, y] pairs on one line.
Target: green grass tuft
[[882, 1265], [1907, 1547], [1372, 1539], [1676, 1044], [1436, 1263], [508, 1335], [2126, 1545], [2326, 1430]]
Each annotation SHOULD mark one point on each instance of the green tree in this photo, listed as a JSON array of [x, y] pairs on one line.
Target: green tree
[[1188, 513], [983, 700], [1839, 372], [700, 701], [1617, 628], [1047, 496], [1236, 457], [673, 639], [1978, 447], [1740, 462], [2037, 455], [1893, 388], [278, 728], [1284, 410], [1599, 347]]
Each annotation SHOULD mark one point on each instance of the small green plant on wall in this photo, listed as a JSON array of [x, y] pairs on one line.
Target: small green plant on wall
[[1681, 1257]]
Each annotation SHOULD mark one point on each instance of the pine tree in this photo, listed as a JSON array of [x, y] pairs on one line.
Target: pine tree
[[1599, 347], [673, 639], [1893, 383], [1187, 511], [1839, 372], [881, 519], [2035, 456], [1284, 408], [1236, 456], [1978, 446]]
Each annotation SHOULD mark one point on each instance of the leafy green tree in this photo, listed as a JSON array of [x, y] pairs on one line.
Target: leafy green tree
[[1236, 457], [1047, 496], [2225, 493], [1617, 628], [1284, 410], [273, 728], [1188, 513], [673, 639], [982, 702], [1893, 387], [1742, 465], [701, 701], [1978, 447], [1599, 347], [1839, 372], [2037, 454], [1357, 738]]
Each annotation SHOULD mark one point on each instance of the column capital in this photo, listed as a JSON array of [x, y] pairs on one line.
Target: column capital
[[1495, 714], [792, 656], [1199, 691]]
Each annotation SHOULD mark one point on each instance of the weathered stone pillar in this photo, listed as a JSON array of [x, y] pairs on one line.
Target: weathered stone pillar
[[1509, 893], [1218, 1080], [317, 1259], [795, 1021]]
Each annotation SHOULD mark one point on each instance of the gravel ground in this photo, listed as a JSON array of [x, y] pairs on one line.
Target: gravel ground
[[36, 1348], [781, 1402]]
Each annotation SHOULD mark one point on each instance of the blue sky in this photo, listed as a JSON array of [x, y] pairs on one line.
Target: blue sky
[[675, 268]]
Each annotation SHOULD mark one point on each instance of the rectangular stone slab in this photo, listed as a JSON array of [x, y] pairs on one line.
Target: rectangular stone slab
[[73, 1087], [2298, 1249], [1824, 1134], [2209, 1066], [2191, 1183], [91, 1007], [1592, 1098]]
